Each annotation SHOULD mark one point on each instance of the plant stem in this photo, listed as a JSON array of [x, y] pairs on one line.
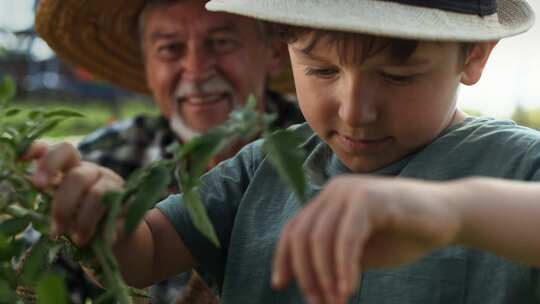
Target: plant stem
[[18, 211], [113, 281]]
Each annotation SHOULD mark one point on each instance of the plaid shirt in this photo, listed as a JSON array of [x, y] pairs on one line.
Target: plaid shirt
[[132, 144]]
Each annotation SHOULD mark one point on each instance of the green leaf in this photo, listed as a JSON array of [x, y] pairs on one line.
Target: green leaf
[[5, 248], [63, 113], [284, 152], [106, 297], [113, 200], [246, 122], [6, 292], [10, 248], [201, 150], [12, 132], [36, 262], [8, 142], [153, 187], [51, 289], [9, 274], [12, 112], [35, 114], [23, 145], [14, 226], [7, 90], [198, 215], [44, 128]]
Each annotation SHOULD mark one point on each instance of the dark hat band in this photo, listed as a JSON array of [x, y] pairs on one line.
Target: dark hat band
[[473, 7]]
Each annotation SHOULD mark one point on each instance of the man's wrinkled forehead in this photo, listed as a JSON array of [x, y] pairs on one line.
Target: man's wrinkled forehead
[[180, 19], [172, 32]]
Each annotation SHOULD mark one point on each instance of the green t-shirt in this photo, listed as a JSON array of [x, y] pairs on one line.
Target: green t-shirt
[[249, 205]]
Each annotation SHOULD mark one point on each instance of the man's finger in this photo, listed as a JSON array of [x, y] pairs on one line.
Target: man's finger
[[90, 213], [67, 196], [36, 151], [59, 159], [92, 208]]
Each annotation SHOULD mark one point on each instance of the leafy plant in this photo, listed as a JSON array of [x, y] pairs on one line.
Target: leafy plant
[[21, 204]]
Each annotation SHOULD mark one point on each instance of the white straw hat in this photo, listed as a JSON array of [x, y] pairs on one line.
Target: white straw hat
[[440, 20]]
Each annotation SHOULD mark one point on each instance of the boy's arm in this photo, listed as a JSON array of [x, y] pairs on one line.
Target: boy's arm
[[360, 222], [153, 252], [500, 216]]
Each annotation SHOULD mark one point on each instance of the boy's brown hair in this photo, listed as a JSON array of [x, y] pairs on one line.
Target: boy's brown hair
[[364, 46]]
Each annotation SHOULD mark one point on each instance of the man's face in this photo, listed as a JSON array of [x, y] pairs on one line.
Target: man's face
[[200, 64], [376, 112]]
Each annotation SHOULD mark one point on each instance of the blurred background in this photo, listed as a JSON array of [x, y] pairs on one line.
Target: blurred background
[[510, 87], [44, 81]]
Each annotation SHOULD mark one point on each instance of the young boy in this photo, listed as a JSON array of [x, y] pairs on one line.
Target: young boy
[[411, 200]]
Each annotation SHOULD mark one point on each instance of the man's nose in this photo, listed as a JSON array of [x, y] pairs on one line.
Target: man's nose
[[357, 105], [198, 64]]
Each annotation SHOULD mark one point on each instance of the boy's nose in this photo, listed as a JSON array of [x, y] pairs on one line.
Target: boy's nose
[[357, 105]]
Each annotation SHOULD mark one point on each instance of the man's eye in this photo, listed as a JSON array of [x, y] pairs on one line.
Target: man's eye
[[223, 44], [322, 73], [169, 51], [398, 79]]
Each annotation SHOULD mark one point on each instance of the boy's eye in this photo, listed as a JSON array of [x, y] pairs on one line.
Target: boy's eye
[[320, 72], [398, 79]]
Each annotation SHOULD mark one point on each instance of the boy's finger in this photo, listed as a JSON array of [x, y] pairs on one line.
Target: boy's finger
[[353, 230], [59, 159], [281, 267], [300, 248], [322, 250], [36, 151], [67, 196]]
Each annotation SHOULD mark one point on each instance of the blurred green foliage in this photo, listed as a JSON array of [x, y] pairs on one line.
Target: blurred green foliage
[[527, 117], [98, 114]]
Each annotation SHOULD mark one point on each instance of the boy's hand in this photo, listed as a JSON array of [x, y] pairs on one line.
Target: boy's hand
[[357, 223], [77, 188]]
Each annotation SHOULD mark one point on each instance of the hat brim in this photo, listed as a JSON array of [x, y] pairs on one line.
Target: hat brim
[[387, 18], [102, 37], [98, 35]]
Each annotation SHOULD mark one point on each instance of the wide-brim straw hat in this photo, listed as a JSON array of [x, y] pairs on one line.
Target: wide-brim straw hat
[[432, 20], [102, 37]]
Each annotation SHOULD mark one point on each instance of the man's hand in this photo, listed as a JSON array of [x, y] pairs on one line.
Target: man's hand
[[357, 223], [78, 188]]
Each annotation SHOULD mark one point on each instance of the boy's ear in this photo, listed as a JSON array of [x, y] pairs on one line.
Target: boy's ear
[[476, 62]]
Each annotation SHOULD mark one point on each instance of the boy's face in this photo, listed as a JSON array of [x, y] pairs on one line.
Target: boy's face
[[376, 112]]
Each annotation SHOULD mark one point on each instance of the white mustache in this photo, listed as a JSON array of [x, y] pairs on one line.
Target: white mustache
[[205, 91]]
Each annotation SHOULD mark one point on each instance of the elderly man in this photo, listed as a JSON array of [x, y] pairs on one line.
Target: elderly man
[[197, 65]]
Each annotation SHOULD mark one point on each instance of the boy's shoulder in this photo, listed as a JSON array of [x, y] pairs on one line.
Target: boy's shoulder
[[480, 147], [487, 129]]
